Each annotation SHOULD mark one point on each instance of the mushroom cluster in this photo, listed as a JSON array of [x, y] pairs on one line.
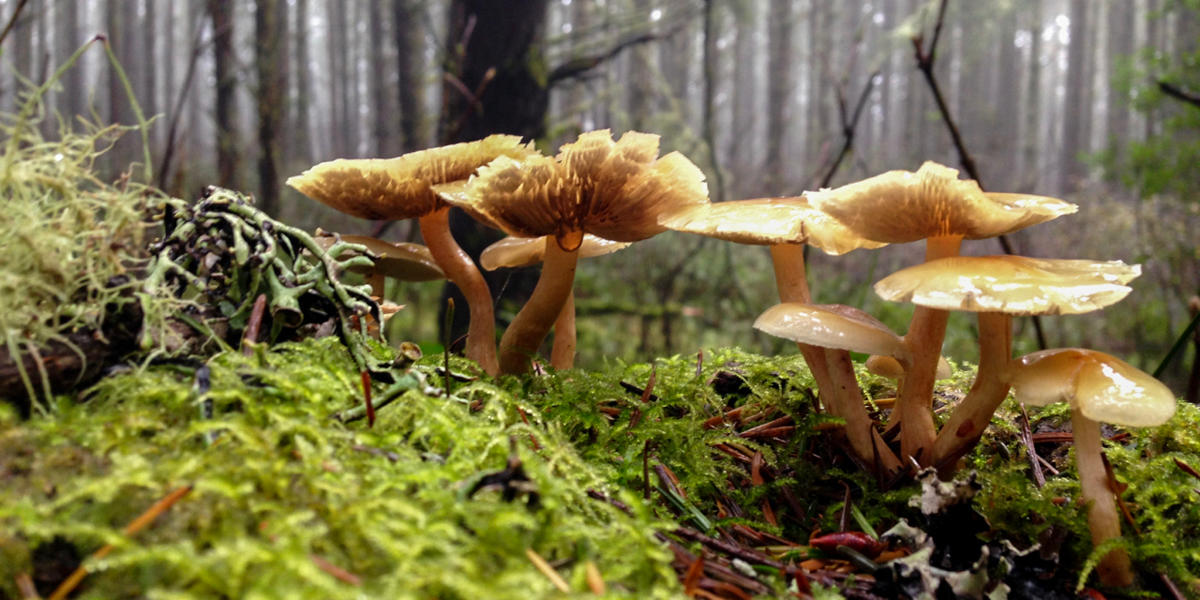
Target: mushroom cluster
[[598, 195]]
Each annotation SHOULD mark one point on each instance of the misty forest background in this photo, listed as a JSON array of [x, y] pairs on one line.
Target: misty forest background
[[1095, 101]]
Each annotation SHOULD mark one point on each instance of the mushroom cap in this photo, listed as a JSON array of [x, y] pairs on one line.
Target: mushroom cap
[[1103, 387], [903, 206], [523, 252], [831, 326], [886, 366], [769, 222], [1015, 285], [399, 260], [400, 188], [613, 190]]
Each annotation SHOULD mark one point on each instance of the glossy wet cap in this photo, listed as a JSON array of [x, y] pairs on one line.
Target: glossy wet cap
[[830, 326], [400, 187], [523, 252], [905, 206], [1014, 285], [768, 222], [1103, 387]]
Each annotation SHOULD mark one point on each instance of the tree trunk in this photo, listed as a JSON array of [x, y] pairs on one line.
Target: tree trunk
[[381, 115], [1120, 47], [641, 78], [73, 98], [225, 71], [1069, 168], [300, 133], [779, 90], [407, 38], [270, 62]]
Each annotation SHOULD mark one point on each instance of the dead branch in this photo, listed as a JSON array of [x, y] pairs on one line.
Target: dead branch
[[577, 67], [1179, 93], [849, 125]]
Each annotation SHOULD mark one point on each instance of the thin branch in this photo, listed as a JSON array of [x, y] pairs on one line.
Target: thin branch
[[198, 48], [925, 61], [1179, 93], [849, 124], [576, 67], [12, 21]]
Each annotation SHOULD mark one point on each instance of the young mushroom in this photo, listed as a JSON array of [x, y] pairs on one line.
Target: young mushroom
[[401, 188], [934, 205], [786, 225], [998, 288], [399, 260], [512, 252], [612, 190], [1098, 387]]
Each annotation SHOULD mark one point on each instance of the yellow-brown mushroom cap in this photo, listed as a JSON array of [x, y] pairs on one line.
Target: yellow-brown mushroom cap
[[903, 206], [831, 326], [1014, 285], [400, 187], [399, 260], [767, 222], [513, 252], [1103, 387], [613, 190]]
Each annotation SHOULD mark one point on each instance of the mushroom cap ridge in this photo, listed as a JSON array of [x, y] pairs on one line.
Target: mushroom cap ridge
[[1103, 387], [903, 206]]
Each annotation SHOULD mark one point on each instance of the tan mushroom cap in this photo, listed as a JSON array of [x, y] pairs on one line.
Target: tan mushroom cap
[[399, 188], [1103, 387], [903, 206], [1015, 285], [399, 260], [831, 326], [522, 252], [613, 190], [768, 222], [887, 366]]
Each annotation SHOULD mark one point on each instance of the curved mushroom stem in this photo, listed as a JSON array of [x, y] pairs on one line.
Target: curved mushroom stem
[[459, 268], [562, 355], [1103, 520], [924, 341], [973, 414], [831, 369], [527, 330]]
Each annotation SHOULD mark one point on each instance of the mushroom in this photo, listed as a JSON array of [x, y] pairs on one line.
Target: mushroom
[[401, 188], [786, 224], [997, 288], [399, 260], [522, 252], [612, 190], [932, 204], [1098, 387]]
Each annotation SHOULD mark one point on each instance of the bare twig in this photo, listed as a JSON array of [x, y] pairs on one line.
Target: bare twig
[[12, 21], [925, 60], [849, 125], [1179, 93], [576, 67], [198, 48]]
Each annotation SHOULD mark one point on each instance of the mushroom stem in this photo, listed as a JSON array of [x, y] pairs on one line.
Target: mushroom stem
[[562, 354], [1103, 520], [971, 417], [924, 341], [460, 269], [527, 330], [831, 369]]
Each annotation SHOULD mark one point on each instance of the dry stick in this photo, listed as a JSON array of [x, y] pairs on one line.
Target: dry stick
[[133, 527], [12, 21], [547, 570], [925, 61]]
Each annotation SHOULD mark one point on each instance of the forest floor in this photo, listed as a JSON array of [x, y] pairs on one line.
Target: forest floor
[[176, 461]]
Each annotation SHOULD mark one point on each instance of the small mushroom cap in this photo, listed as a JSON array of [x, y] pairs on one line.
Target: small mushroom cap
[[613, 190], [400, 188], [399, 260], [768, 222], [1103, 387], [886, 366], [902, 206], [1015, 285], [522, 252], [831, 326]]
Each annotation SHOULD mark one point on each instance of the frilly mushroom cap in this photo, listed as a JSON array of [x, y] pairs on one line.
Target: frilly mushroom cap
[[902, 206], [768, 222], [398, 260], [1014, 285], [831, 326], [1103, 387], [400, 188], [613, 190], [522, 252]]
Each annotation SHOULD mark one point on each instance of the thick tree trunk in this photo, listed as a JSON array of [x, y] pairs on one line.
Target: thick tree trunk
[[407, 39], [779, 89], [225, 67], [1069, 168], [270, 62]]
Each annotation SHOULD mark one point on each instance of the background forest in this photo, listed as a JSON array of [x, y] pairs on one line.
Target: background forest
[[1094, 101]]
